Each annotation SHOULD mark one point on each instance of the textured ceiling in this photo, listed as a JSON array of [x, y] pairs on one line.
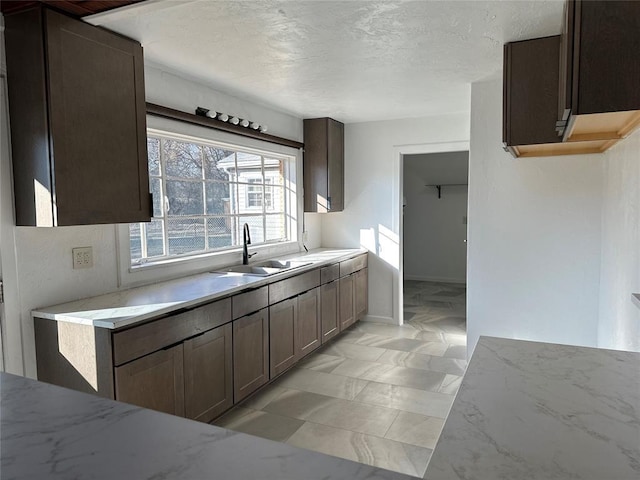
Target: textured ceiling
[[351, 60]]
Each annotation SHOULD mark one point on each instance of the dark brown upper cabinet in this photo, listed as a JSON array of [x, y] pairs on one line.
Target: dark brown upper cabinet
[[600, 71], [578, 92], [323, 165], [78, 122]]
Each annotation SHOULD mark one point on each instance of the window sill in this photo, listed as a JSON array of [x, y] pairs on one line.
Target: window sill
[[167, 269]]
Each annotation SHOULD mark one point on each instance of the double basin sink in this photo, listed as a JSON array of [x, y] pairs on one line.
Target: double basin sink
[[263, 269]]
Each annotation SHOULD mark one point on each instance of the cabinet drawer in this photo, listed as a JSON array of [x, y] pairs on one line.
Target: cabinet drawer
[[353, 265], [153, 336], [249, 302], [293, 286], [330, 273]]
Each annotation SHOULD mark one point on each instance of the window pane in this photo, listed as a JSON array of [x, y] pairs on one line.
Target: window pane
[[274, 171], [276, 228], [218, 198], [219, 231], [250, 194], [135, 241], [153, 152], [249, 166], [185, 235], [156, 191], [218, 163], [155, 238], [274, 199], [256, 228], [185, 198], [182, 159]]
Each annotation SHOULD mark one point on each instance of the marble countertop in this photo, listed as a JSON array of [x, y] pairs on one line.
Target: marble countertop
[[55, 433], [528, 410], [126, 307]]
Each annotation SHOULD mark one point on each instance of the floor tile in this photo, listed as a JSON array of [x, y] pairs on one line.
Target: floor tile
[[351, 350], [322, 383], [359, 447], [431, 404], [298, 404], [457, 351], [404, 331], [450, 384], [345, 414], [390, 374], [415, 429], [321, 362], [262, 397], [262, 424], [422, 361]]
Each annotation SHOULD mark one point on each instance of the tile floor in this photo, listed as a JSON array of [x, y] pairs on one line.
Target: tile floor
[[378, 394]]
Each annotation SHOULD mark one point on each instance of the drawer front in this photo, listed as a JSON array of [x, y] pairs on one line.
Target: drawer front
[[347, 267], [249, 302], [293, 286], [330, 273], [150, 337]]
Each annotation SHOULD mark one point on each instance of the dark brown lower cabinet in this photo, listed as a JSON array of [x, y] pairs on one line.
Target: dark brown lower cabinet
[[361, 289], [208, 374], [329, 310], [309, 329], [154, 381], [282, 335], [346, 297], [250, 353]]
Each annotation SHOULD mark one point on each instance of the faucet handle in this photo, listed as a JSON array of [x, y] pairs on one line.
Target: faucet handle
[[249, 255]]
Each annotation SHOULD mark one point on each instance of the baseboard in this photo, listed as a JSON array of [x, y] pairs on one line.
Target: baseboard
[[435, 279], [378, 319]]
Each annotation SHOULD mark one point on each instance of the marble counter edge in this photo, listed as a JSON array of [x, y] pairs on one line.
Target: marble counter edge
[[252, 282]]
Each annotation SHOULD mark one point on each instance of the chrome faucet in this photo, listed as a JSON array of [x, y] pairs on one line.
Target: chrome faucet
[[246, 240]]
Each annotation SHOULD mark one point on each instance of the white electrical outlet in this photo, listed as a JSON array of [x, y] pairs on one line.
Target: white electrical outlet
[[82, 257]]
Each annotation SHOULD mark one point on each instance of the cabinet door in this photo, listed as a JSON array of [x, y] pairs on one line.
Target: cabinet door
[[308, 324], [329, 310], [361, 289], [98, 123], [208, 374], [347, 307], [282, 335], [250, 353], [335, 165], [155, 381]]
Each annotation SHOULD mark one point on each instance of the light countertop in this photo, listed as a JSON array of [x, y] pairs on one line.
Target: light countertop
[[55, 433], [528, 410], [126, 307]]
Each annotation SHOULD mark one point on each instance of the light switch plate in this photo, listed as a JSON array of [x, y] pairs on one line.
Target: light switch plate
[[82, 257]]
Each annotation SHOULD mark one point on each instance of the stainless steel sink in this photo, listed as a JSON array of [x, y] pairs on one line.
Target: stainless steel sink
[[263, 269]]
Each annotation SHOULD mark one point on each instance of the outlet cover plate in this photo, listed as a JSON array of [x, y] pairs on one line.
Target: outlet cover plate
[[82, 257]]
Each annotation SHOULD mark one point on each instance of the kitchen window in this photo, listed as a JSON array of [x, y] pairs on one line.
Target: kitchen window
[[203, 194]]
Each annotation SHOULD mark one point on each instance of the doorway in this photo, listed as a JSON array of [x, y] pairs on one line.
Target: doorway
[[434, 232]]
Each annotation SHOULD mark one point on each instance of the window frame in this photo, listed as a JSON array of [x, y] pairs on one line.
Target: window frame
[[172, 267]]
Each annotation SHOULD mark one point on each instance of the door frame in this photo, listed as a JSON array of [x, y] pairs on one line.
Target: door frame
[[399, 151], [10, 321]]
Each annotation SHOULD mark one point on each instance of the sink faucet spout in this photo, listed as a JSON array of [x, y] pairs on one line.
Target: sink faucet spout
[[246, 240]]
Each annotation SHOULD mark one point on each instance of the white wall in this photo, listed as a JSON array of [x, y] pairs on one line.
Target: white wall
[[619, 325], [534, 237], [434, 230], [372, 196], [44, 273]]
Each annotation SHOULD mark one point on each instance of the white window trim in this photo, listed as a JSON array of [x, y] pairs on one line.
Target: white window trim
[[165, 269]]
